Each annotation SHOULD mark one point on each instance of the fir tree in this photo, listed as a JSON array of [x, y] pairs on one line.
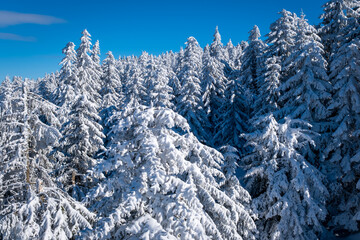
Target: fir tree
[[68, 77], [281, 38], [111, 91], [189, 100], [288, 192], [342, 151], [88, 70], [251, 61], [306, 91], [82, 139], [158, 179], [31, 205], [213, 87]]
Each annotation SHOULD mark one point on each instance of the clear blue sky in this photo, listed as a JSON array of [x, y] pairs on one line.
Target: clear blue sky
[[30, 45]]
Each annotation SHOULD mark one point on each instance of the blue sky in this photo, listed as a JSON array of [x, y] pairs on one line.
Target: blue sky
[[33, 33]]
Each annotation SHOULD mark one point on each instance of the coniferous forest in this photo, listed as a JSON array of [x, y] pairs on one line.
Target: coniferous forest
[[259, 140]]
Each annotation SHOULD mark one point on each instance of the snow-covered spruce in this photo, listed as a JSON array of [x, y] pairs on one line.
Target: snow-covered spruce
[[189, 103], [288, 192], [82, 139], [159, 182], [31, 205], [343, 149], [306, 90]]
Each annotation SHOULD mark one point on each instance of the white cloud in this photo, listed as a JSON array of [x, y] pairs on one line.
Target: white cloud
[[14, 18], [10, 36]]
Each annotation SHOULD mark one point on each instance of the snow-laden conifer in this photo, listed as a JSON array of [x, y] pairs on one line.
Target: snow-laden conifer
[[88, 70], [337, 15], [288, 192], [111, 91], [161, 94], [216, 47], [306, 90], [82, 139], [189, 102], [31, 205], [251, 61], [343, 148], [68, 78], [158, 179], [135, 91], [281, 38], [234, 117], [269, 81], [213, 86]]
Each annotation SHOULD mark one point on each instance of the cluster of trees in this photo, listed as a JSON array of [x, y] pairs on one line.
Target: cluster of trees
[[155, 147]]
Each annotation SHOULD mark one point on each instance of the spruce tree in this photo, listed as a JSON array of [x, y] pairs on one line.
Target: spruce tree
[[88, 70], [159, 180], [189, 102], [111, 91], [82, 140], [342, 151], [251, 62], [288, 192], [68, 78], [31, 204], [213, 87], [306, 91]]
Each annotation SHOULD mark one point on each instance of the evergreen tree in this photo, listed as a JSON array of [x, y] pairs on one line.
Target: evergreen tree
[[68, 77], [288, 192], [336, 17], [213, 87], [111, 91], [82, 139], [47, 86], [281, 38], [88, 70], [269, 81], [343, 148], [159, 180], [216, 47], [189, 100], [161, 94], [251, 63], [305, 93], [234, 119], [135, 87], [31, 205]]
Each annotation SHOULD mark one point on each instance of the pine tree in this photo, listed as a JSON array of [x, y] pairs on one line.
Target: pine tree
[[288, 192], [88, 70], [189, 100], [111, 91], [281, 38], [213, 87], [68, 77], [306, 91], [342, 151], [82, 140], [158, 179], [251, 62], [31, 205]]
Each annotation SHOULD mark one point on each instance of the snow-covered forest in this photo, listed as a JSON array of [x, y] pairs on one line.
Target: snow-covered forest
[[258, 140]]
